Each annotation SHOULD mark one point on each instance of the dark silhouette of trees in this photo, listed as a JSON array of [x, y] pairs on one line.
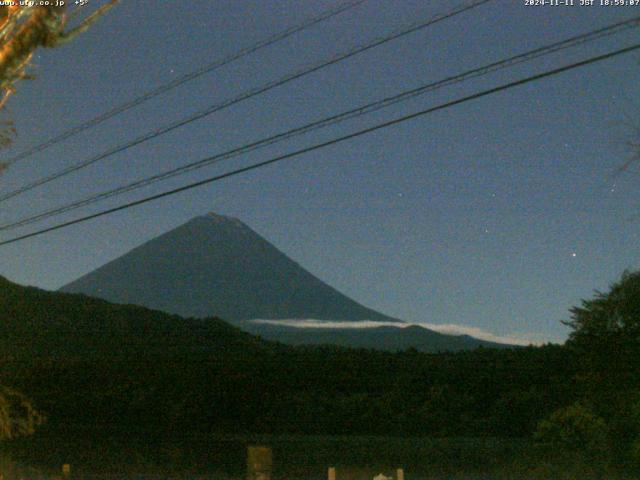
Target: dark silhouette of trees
[[605, 344], [610, 318], [99, 366]]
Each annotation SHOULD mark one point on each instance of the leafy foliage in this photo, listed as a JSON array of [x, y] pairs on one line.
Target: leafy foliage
[[7, 134], [605, 345], [575, 429], [611, 318], [18, 417], [25, 28]]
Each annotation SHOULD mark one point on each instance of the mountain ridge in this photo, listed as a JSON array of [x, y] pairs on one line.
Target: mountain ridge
[[215, 265], [39, 322]]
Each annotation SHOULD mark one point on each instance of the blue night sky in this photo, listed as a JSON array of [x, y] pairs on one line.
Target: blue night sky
[[498, 214]]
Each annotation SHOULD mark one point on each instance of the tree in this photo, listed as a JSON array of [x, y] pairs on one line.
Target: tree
[[24, 29], [609, 318], [575, 430], [18, 416], [605, 342], [606, 339]]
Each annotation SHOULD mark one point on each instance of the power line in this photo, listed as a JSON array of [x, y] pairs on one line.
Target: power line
[[361, 110], [243, 96], [328, 143], [266, 42]]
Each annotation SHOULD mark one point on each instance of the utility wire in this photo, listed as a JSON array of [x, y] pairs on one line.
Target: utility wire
[[244, 96], [266, 42], [334, 141], [361, 110]]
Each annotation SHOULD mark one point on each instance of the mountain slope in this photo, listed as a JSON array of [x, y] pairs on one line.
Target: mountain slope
[[99, 368], [216, 265], [34, 322]]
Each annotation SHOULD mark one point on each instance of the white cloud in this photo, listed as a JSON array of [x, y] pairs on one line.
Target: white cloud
[[447, 328], [513, 339], [311, 323]]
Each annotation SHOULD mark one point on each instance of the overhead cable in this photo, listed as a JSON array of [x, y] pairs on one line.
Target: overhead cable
[[325, 144], [241, 97], [266, 42], [332, 120]]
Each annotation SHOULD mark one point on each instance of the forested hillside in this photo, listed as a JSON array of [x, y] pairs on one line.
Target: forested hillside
[[104, 367], [85, 361]]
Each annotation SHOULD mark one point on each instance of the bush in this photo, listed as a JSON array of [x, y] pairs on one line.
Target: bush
[[18, 417], [575, 430]]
